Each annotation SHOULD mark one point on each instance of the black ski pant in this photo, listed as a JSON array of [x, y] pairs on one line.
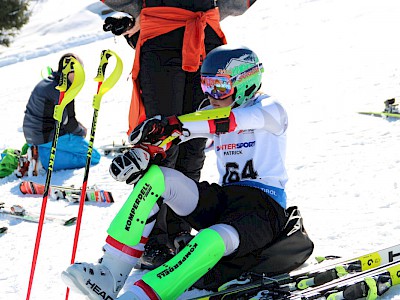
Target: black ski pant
[[168, 90]]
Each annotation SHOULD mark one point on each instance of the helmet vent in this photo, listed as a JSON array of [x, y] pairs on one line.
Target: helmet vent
[[250, 90]]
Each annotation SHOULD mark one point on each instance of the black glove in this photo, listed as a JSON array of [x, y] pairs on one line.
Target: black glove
[[118, 25], [132, 40], [130, 166], [155, 130]]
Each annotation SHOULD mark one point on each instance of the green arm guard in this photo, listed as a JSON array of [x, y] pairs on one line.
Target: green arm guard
[[127, 226]]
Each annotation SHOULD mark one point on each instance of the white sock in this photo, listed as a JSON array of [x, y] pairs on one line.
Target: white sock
[[230, 236], [117, 263]]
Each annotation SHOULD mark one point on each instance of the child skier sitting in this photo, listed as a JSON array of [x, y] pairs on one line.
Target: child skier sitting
[[242, 223], [39, 125]]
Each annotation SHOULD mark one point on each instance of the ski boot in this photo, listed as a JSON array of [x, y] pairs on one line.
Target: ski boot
[[35, 166], [98, 282], [391, 107], [23, 167], [154, 255]]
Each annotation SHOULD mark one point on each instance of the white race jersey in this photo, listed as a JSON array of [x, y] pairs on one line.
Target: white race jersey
[[254, 153]]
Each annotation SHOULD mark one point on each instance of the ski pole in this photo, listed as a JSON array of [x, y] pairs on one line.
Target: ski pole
[[70, 64], [202, 115], [102, 88]]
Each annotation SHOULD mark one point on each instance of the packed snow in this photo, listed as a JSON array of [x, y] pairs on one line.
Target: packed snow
[[324, 59]]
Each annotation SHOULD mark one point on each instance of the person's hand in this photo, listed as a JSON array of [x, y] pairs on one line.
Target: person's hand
[[130, 166], [84, 131], [80, 130], [118, 26], [155, 130], [135, 28]]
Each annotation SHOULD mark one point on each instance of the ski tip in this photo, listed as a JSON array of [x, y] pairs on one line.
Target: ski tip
[[320, 259], [370, 113], [22, 187], [383, 115], [3, 230]]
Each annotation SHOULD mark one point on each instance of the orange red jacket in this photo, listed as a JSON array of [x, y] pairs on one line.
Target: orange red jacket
[[155, 21]]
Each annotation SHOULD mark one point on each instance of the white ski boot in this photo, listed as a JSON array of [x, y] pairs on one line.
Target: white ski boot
[[102, 281]]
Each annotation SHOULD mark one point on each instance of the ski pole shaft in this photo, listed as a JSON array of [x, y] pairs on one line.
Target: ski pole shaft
[[102, 88], [70, 64]]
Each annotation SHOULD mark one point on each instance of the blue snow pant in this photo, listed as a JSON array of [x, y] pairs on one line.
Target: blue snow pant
[[71, 153]]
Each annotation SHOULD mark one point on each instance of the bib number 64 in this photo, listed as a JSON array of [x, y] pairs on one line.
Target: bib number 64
[[233, 173]]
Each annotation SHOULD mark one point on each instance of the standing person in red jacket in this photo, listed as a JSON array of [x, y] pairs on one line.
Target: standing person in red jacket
[[171, 39]]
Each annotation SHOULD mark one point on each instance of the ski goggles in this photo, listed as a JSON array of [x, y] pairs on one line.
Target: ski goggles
[[219, 86]]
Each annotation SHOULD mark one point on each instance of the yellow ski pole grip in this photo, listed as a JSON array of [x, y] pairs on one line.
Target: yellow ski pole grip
[[111, 80], [201, 115], [70, 64]]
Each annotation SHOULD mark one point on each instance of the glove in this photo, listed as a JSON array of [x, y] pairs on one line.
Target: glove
[[157, 154], [130, 166], [132, 40], [155, 130], [118, 25]]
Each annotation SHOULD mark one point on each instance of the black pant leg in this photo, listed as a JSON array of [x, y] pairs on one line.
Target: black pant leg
[[166, 90]]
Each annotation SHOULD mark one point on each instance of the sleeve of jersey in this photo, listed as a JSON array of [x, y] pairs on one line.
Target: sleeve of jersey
[[271, 116], [212, 126]]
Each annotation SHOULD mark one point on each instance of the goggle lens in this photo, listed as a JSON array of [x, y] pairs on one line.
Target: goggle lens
[[218, 87]]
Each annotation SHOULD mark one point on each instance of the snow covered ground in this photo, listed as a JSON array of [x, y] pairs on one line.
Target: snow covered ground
[[324, 59]]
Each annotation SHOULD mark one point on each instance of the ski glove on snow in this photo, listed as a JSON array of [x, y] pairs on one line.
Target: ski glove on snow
[[155, 130], [130, 166]]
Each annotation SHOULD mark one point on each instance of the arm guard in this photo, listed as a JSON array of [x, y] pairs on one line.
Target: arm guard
[[222, 125]]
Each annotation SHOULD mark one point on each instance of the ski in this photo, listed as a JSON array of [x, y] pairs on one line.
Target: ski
[[380, 114], [371, 284], [115, 148], [250, 284], [3, 230], [391, 110], [18, 212], [70, 194]]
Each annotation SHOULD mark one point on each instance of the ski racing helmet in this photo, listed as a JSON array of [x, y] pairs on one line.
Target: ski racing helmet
[[231, 70]]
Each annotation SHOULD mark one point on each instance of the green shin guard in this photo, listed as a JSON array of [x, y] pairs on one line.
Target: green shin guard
[[171, 279], [128, 225]]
